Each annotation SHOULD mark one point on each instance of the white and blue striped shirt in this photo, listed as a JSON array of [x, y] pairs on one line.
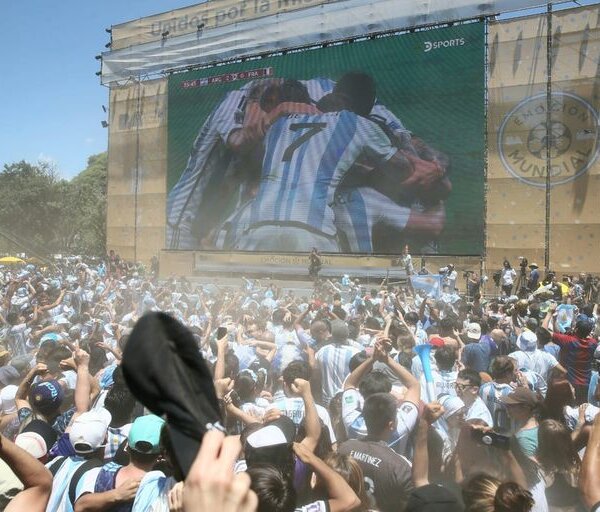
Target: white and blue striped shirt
[[59, 497], [334, 363], [306, 158], [206, 168], [210, 162], [358, 210], [490, 393]]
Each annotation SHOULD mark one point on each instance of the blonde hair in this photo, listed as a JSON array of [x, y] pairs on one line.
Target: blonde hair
[[350, 470], [484, 493]]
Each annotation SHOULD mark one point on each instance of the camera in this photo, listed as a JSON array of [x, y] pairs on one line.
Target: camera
[[496, 277]]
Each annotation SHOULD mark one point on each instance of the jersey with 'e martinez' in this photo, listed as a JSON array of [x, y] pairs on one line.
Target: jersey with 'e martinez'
[[387, 474], [306, 158]]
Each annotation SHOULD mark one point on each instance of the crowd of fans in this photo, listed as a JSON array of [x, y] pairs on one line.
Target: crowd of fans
[[122, 393]]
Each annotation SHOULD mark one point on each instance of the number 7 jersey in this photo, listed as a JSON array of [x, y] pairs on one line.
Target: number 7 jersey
[[306, 158]]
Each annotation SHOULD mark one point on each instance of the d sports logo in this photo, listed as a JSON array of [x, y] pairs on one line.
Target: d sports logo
[[572, 136], [447, 43]]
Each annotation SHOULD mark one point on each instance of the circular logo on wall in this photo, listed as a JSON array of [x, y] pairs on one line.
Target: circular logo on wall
[[572, 137]]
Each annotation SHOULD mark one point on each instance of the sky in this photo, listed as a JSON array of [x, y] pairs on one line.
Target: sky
[[51, 98]]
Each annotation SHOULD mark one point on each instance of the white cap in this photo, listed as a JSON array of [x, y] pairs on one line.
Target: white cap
[[88, 431], [267, 436], [7, 399], [32, 443], [474, 331]]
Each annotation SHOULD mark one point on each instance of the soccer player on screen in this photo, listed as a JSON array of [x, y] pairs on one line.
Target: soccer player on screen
[[223, 170], [307, 157], [213, 184]]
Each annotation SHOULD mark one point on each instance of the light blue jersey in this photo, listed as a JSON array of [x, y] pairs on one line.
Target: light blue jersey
[[59, 500], [358, 210], [206, 170], [306, 158], [210, 166]]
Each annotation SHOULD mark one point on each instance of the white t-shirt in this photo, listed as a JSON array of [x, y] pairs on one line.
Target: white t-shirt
[[293, 407], [417, 367], [508, 276], [315, 506], [538, 361]]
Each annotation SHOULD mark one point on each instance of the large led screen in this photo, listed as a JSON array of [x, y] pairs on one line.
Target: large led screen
[[359, 147]]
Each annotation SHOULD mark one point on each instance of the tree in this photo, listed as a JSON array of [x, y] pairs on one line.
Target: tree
[[30, 204], [48, 215], [85, 209]]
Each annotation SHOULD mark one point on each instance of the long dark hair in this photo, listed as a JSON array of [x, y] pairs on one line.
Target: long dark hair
[[560, 394], [556, 451]]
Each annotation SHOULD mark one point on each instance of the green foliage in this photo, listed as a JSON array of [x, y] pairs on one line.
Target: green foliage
[[48, 214]]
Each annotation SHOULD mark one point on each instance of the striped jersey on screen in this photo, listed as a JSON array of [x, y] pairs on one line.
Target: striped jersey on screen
[[306, 158], [206, 167], [358, 210]]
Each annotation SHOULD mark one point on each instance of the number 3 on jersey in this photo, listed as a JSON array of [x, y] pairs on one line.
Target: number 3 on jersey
[[312, 130]]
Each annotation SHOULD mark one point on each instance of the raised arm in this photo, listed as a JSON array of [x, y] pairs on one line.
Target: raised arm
[[359, 372], [21, 398], [589, 476], [341, 496], [312, 422], [413, 388], [36, 479], [56, 302], [420, 467], [83, 385], [548, 318], [222, 346]]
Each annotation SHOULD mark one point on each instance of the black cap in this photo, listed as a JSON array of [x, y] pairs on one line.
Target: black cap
[[165, 371]]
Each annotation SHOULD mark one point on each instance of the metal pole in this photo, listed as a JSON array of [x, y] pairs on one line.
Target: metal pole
[[549, 141], [486, 89], [138, 115]]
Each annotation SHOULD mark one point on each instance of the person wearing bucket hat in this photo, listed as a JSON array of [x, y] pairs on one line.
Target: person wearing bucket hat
[[165, 371], [522, 405], [115, 486], [530, 357]]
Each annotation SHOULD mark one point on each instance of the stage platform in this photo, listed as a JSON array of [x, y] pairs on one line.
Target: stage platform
[[294, 267], [288, 267]]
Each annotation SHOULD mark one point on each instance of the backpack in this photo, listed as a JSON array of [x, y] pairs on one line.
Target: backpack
[[79, 472]]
